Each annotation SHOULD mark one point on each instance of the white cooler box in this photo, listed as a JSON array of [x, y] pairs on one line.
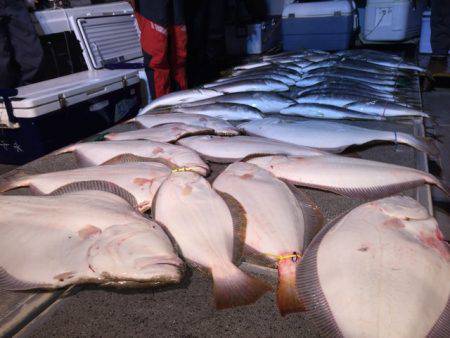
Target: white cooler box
[[326, 25], [392, 20], [51, 114], [108, 35]]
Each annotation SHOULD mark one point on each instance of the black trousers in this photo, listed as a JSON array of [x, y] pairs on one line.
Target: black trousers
[[205, 23], [20, 49], [440, 26]]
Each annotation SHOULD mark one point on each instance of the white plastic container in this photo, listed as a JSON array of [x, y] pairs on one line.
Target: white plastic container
[[107, 33], [393, 20]]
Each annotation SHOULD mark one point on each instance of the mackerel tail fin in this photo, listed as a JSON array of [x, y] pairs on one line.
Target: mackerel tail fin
[[423, 114], [233, 287], [424, 144], [14, 180], [110, 136], [132, 120], [288, 300], [444, 186]]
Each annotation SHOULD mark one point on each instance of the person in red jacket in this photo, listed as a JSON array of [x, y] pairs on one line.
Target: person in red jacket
[[163, 40]]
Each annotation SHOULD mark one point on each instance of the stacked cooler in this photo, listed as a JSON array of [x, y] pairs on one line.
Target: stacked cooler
[[326, 25], [56, 112]]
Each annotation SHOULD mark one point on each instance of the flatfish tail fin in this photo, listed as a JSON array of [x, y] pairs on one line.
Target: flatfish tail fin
[[16, 179], [233, 287], [288, 299]]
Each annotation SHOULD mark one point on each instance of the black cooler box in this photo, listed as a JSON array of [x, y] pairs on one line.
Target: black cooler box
[[48, 115]]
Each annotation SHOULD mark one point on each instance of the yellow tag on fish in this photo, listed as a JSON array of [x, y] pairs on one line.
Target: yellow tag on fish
[[283, 257], [183, 169]]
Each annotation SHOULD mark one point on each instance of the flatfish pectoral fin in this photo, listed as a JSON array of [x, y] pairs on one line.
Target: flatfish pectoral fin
[[97, 185], [10, 283], [239, 217], [313, 217]]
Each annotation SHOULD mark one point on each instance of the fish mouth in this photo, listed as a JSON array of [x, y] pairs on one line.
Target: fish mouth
[[159, 272], [201, 170], [177, 263], [142, 283]]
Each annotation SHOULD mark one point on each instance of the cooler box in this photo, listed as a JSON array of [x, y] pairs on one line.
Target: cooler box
[[108, 35], [253, 38], [392, 20], [54, 113], [326, 25]]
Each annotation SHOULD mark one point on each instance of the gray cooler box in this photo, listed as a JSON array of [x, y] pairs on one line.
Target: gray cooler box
[[253, 38], [326, 25], [48, 115]]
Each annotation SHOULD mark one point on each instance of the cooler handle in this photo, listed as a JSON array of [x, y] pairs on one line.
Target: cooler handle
[[6, 93], [124, 65]]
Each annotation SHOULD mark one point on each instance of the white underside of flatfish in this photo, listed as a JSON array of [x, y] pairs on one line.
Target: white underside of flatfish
[[230, 149], [220, 126], [97, 153], [169, 132], [382, 270], [279, 223], [329, 136], [140, 180], [84, 237], [347, 176], [202, 226]]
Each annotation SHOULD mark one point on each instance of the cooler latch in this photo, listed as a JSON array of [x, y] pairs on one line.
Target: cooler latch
[[124, 82], [62, 101], [6, 94]]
